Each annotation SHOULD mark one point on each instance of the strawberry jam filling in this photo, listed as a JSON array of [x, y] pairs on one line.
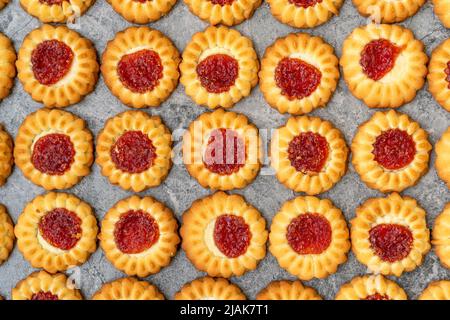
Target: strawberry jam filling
[[296, 78], [305, 3], [377, 296], [140, 71], [133, 152], [51, 61], [447, 72], [136, 232], [391, 242], [222, 2], [53, 154], [61, 228], [378, 58], [41, 295], [225, 152], [308, 152], [394, 149], [218, 72], [309, 233], [232, 235]]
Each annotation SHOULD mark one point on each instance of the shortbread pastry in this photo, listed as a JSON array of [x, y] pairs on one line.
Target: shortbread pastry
[[439, 73], [371, 287], [53, 148], [140, 66], [390, 151], [3, 3], [390, 235], [223, 235], [443, 157], [56, 231], [57, 66], [128, 289], [219, 67], [208, 288], [442, 10], [56, 11], [299, 73], [441, 236], [386, 11], [225, 12], [41, 285], [7, 65], [6, 155], [288, 290], [6, 234], [383, 65], [142, 11], [304, 13], [308, 154], [222, 150], [139, 236], [134, 150], [437, 290], [309, 237]]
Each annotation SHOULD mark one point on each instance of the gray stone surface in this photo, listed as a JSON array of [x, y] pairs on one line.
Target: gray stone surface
[[100, 24]]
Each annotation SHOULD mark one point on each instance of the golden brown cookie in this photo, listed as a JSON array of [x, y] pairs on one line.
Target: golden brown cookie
[[53, 148], [288, 290], [134, 150], [441, 236], [3, 3], [219, 68], [142, 11], [56, 11], [390, 151], [56, 231], [299, 73], [128, 289], [443, 157], [140, 66], [223, 235], [308, 154], [139, 236], [7, 65], [390, 235], [57, 66], [439, 74], [208, 288], [437, 290], [442, 10], [6, 234], [222, 150], [6, 155], [374, 287], [386, 11], [383, 65], [309, 237]]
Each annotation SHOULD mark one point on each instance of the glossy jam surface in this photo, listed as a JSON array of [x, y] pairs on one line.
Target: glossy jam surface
[[52, 2], [232, 235], [135, 232], [377, 296], [296, 78], [309, 233], [133, 152], [61, 228], [53, 154], [308, 152], [378, 58], [225, 152], [222, 2], [140, 71], [447, 72], [305, 3], [218, 72], [394, 149], [41, 295], [391, 242], [51, 61]]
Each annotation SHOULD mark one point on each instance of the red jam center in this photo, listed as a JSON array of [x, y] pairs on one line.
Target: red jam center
[[391, 242], [51, 61], [447, 72], [309, 233], [218, 73], [61, 228], [41, 295], [225, 152], [296, 78], [308, 152], [394, 149], [135, 232], [231, 235], [52, 2], [222, 2], [378, 58], [377, 296], [140, 71], [305, 3], [53, 154], [133, 152]]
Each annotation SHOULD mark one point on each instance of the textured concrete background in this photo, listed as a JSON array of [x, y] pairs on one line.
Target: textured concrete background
[[100, 24]]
